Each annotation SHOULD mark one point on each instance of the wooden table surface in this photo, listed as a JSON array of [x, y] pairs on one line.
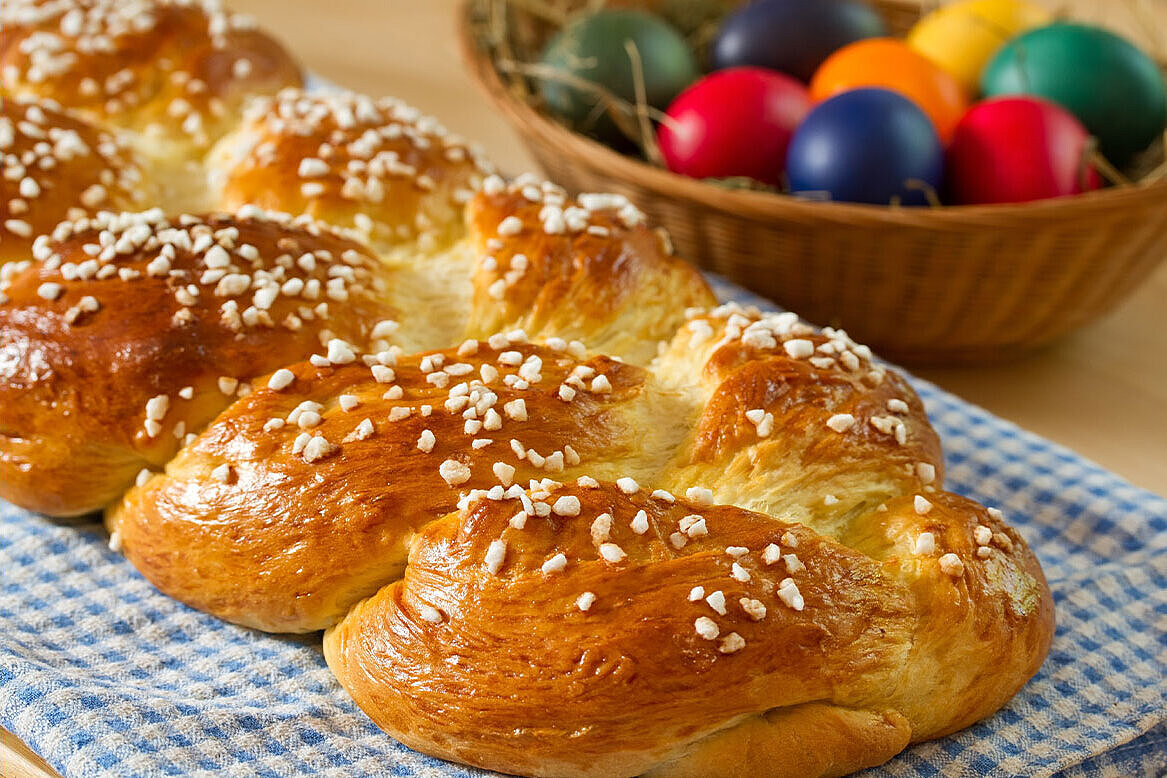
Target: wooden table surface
[[1102, 391]]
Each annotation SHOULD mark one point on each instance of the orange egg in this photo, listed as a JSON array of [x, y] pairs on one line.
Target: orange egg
[[892, 64]]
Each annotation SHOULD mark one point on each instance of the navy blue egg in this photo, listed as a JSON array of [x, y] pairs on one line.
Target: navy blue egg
[[865, 146], [792, 36]]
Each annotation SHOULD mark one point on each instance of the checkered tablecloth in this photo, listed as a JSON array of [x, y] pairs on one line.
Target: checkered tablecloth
[[102, 675]]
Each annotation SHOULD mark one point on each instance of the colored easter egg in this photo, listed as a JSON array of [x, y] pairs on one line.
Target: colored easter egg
[[593, 48], [962, 37], [1113, 88], [1016, 149], [888, 63], [866, 146], [735, 122], [791, 36]]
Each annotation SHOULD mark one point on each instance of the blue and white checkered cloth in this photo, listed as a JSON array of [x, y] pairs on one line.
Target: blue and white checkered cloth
[[102, 675]]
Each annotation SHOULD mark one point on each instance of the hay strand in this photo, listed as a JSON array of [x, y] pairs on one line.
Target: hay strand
[[647, 136], [620, 110]]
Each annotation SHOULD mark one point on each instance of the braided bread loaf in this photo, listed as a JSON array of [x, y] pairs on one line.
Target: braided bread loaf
[[557, 514], [176, 72]]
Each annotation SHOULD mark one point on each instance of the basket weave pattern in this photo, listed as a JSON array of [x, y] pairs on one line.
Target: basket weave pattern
[[942, 285]]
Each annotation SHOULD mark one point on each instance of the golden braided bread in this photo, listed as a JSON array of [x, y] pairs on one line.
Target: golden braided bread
[[57, 167], [589, 643], [557, 513], [887, 593], [174, 71]]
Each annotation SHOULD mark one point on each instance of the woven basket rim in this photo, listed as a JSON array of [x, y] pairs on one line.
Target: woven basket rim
[[771, 205]]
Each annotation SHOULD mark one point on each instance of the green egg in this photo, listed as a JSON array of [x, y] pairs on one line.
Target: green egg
[[592, 48], [1114, 89]]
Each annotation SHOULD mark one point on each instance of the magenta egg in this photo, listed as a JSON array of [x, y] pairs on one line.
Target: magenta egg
[[735, 122], [1017, 149]]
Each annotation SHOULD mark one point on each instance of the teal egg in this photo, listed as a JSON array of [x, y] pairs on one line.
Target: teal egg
[[592, 48], [1114, 89]]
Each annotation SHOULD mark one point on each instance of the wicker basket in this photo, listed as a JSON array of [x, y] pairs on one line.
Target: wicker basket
[[921, 285]]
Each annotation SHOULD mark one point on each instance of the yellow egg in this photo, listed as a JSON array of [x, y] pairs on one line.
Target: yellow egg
[[963, 36]]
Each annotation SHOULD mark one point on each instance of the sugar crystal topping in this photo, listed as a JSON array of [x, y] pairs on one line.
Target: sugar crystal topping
[[208, 263], [359, 148], [75, 47], [42, 149]]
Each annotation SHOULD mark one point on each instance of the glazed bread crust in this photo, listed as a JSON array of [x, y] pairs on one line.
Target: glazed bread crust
[[498, 413], [796, 423], [293, 532], [691, 660], [117, 312], [131, 332], [175, 71], [379, 166], [56, 167], [584, 268]]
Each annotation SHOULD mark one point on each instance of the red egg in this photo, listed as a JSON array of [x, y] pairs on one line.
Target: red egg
[[735, 122], [1016, 149]]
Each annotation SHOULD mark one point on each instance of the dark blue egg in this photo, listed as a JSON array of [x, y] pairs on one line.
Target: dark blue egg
[[866, 146], [792, 36]]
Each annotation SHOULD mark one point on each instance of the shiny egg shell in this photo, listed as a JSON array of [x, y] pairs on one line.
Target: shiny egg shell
[[735, 122], [593, 48], [866, 146], [791, 36], [1017, 149], [888, 63], [962, 37], [1113, 88]]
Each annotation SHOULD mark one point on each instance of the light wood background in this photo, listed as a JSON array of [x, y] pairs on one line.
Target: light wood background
[[1102, 392]]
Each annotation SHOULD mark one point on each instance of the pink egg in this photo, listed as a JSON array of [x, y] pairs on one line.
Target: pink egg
[[735, 122], [1017, 149]]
